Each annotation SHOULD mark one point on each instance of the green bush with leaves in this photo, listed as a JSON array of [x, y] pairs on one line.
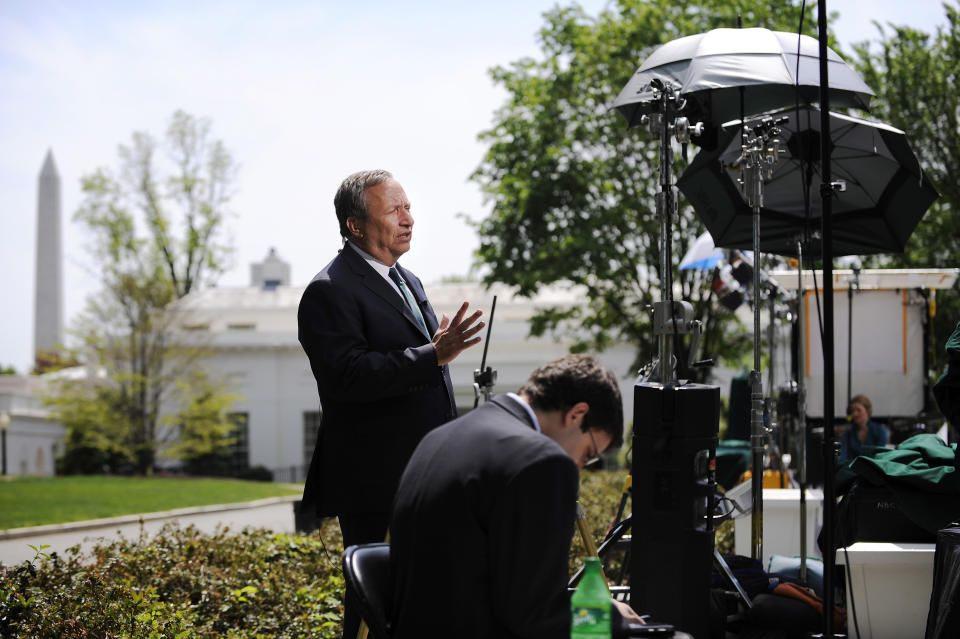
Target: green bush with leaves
[[181, 583], [251, 584]]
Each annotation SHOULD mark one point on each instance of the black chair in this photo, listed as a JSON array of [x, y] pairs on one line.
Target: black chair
[[366, 570]]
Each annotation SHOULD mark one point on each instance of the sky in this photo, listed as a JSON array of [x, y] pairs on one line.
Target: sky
[[302, 94]]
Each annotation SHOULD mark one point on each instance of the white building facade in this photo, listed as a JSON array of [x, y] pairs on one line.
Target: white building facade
[[31, 442]]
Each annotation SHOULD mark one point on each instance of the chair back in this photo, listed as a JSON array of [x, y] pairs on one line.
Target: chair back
[[366, 570]]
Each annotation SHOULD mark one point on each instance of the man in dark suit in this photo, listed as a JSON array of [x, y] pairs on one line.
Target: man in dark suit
[[484, 515], [380, 360]]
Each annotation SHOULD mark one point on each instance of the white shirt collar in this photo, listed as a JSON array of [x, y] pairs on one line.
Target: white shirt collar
[[377, 265], [526, 407]]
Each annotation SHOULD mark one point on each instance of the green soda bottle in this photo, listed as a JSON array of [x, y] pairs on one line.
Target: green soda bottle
[[590, 604]]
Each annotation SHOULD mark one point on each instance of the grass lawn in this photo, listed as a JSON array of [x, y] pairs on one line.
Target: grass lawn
[[32, 501]]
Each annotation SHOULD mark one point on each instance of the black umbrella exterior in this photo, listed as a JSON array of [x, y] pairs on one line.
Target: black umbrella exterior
[[885, 191], [713, 69]]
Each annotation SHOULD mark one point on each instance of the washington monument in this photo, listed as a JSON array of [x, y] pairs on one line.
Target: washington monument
[[48, 310]]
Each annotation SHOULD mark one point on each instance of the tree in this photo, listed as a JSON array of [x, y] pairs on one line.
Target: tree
[[98, 439], [914, 75], [128, 329], [573, 189], [204, 430]]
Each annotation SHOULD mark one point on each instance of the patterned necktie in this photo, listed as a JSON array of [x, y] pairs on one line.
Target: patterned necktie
[[407, 295]]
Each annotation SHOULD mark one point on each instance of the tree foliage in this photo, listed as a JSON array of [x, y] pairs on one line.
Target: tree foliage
[[53, 360], [915, 77], [156, 232], [204, 429], [105, 433], [181, 200], [573, 189], [98, 439]]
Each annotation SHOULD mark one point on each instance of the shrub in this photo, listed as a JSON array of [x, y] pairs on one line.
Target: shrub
[[180, 583], [256, 473], [216, 464]]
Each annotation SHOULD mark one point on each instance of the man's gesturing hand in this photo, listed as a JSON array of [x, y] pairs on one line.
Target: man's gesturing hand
[[452, 338]]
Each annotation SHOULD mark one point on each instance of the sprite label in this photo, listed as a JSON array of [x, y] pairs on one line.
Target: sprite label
[[592, 620]]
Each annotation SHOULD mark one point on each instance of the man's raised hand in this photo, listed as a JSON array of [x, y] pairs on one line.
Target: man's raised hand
[[454, 337]]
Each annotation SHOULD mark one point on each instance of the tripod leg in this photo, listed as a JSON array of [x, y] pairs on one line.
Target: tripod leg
[[731, 578], [608, 545], [585, 533], [624, 496]]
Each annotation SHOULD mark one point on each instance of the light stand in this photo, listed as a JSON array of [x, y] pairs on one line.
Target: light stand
[[674, 435], [829, 440], [669, 316], [759, 152], [775, 427]]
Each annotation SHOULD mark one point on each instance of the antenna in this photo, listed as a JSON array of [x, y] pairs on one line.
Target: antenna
[[485, 377]]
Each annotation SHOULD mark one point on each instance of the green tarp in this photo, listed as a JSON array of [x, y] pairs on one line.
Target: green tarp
[[921, 473]]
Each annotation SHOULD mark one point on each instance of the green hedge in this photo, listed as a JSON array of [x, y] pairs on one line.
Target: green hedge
[[182, 583]]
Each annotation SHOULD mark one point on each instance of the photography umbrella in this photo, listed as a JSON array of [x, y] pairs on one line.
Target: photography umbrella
[[884, 191], [714, 69]]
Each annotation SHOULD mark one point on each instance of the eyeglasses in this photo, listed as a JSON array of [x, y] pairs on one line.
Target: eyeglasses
[[593, 459]]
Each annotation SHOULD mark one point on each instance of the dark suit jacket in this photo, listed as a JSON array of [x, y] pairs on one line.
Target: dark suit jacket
[[380, 387], [481, 530]]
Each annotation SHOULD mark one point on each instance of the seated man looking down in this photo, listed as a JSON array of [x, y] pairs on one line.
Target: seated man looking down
[[484, 515]]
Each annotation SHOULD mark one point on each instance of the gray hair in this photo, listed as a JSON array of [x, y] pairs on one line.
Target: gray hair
[[350, 200]]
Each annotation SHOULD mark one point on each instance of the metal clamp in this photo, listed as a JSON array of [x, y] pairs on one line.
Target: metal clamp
[[672, 318]]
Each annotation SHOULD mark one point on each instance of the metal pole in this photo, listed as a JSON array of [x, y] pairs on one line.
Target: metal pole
[[854, 284], [665, 204], [771, 341], [829, 489], [849, 343], [773, 416], [752, 154], [801, 414], [756, 402]]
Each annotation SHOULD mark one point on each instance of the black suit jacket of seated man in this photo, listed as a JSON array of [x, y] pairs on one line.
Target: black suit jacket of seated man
[[481, 530]]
